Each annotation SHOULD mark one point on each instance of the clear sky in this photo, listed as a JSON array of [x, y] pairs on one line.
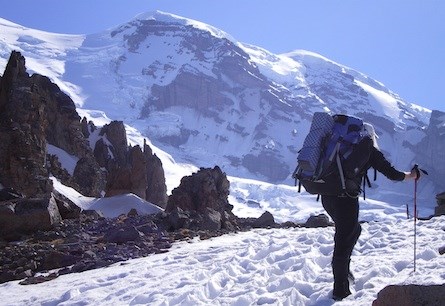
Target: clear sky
[[400, 43]]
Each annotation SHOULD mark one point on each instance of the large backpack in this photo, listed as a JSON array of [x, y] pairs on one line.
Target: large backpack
[[334, 156]]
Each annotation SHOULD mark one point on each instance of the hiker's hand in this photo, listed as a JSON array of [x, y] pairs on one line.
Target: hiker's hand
[[410, 175], [415, 173]]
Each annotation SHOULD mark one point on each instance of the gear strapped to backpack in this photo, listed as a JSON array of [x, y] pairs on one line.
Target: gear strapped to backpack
[[334, 156]]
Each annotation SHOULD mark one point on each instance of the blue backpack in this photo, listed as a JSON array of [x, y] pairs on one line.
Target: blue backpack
[[334, 157]]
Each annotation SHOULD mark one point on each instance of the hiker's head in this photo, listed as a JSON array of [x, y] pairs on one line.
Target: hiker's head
[[370, 130]]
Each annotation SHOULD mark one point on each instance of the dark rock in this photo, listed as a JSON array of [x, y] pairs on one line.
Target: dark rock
[[22, 131], [440, 198], [128, 177], [56, 259], [148, 228], [27, 215], [6, 276], [264, 221], [211, 220], [411, 295], [178, 218], [7, 194], [89, 177], [204, 190], [122, 235], [156, 191], [116, 135], [34, 113], [67, 209], [132, 213], [442, 250], [318, 221], [439, 210], [431, 149], [130, 169], [91, 214], [38, 279]]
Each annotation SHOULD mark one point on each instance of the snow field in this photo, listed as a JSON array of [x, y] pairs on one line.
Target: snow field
[[259, 267]]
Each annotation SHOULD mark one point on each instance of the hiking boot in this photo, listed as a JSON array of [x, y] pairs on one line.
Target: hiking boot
[[341, 290]]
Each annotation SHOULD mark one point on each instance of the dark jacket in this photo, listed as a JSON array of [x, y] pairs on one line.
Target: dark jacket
[[377, 161]]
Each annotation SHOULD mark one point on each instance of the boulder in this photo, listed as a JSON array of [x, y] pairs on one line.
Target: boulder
[[67, 208], [204, 193], [27, 215], [318, 221], [411, 295], [264, 221], [206, 188]]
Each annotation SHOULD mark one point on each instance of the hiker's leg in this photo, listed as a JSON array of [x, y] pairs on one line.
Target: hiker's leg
[[344, 213]]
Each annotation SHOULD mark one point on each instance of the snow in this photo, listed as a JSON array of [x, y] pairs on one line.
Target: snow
[[110, 207], [167, 17], [259, 267], [382, 102]]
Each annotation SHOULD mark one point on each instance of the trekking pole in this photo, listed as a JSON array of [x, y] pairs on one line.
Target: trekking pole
[[415, 219], [418, 170]]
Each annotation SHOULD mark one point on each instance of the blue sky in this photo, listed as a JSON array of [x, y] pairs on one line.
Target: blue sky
[[400, 43]]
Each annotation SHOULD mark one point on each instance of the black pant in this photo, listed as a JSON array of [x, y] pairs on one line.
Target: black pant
[[344, 213]]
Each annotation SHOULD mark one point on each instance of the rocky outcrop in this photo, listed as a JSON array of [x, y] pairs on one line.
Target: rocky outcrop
[[36, 117], [130, 169], [439, 210], [129, 176], [34, 112], [156, 191], [22, 132], [202, 200], [411, 295], [431, 149]]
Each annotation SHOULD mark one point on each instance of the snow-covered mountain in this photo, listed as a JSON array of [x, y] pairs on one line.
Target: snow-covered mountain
[[207, 99]]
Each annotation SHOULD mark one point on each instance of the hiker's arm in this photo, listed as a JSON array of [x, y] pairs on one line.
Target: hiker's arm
[[382, 165]]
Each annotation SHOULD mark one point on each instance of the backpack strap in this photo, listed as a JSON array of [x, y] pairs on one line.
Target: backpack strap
[[366, 181], [340, 170]]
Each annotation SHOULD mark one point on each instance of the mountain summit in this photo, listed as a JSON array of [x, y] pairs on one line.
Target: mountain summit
[[207, 99]]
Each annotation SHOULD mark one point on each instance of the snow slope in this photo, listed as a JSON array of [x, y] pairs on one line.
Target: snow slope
[[260, 267]]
